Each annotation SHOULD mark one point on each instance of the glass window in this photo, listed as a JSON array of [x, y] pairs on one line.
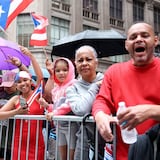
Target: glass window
[[119, 58], [85, 27], [25, 28], [59, 29], [116, 9], [66, 1], [63, 1], [91, 5], [157, 19], [157, 27], [138, 10]]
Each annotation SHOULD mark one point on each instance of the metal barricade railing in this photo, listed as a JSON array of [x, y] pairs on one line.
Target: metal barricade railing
[[22, 118], [57, 120], [69, 119], [88, 120]]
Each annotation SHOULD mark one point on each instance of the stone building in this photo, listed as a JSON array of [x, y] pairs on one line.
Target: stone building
[[67, 17]]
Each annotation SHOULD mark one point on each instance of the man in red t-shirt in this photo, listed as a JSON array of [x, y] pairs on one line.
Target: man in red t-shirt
[[135, 82]]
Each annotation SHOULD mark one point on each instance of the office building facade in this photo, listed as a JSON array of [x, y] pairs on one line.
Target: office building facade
[[67, 17]]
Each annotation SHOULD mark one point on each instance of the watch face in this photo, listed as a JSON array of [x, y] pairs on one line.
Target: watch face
[[23, 102]]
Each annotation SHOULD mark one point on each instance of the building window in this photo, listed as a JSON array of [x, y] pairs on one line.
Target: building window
[[25, 28], [66, 1], [138, 11], [116, 9], [63, 5], [61, 1], [59, 29], [157, 20], [116, 18], [91, 5], [90, 9], [119, 58], [157, 28], [85, 27]]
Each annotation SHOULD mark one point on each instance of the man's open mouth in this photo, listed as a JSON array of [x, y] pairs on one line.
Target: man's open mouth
[[140, 49]]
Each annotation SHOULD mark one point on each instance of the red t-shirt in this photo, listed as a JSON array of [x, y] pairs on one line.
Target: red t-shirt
[[133, 85]]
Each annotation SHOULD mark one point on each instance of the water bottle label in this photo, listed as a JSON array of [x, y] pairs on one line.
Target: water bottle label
[[129, 137], [52, 134], [108, 152]]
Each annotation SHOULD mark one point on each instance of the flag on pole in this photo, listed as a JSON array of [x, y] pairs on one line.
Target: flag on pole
[[38, 91], [39, 21], [39, 35], [9, 9]]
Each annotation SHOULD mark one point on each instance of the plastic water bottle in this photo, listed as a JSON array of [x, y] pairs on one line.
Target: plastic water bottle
[[128, 136]]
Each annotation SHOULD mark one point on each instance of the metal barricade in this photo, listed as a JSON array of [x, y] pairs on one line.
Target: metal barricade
[[80, 119], [6, 133], [57, 120]]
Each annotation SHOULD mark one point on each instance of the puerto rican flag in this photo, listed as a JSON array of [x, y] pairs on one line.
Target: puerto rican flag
[[38, 91], [39, 35], [9, 9]]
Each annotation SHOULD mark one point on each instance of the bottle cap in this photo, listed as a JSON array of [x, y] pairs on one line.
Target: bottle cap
[[121, 104]]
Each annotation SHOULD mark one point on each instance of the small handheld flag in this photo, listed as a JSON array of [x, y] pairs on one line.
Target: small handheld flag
[[36, 93]]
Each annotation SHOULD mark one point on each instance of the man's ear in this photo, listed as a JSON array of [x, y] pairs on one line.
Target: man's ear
[[126, 45], [156, 40]]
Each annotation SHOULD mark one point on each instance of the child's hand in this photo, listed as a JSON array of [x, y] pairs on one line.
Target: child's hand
[[49, 116], [43, 102], [49, 66]]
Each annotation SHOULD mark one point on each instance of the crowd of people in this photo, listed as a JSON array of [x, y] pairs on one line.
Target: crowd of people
[[135, 82]]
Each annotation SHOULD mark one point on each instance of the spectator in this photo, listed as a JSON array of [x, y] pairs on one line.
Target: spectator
[[9, 87], [83, 92], [135, 82], [9, 90], [64, 76], [23, 84]]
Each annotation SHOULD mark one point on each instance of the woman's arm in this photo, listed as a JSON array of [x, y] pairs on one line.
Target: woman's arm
[[9, 109], [35, 64], [7, 114], [10, 105]]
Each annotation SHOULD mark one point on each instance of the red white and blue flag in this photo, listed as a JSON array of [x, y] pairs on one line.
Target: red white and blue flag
[[38, 91], [39, 35], [9, 9]]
